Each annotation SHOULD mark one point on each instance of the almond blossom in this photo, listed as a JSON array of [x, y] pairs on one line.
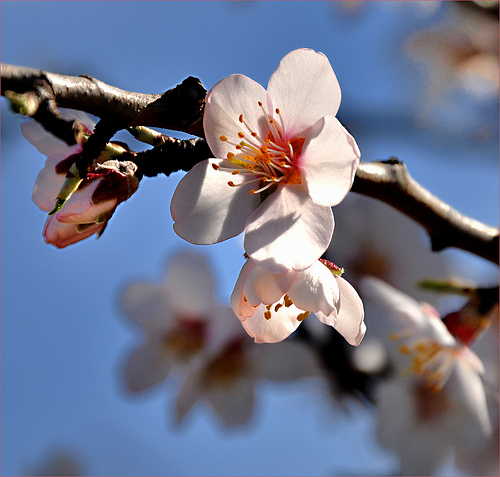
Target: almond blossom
[[436, 401], [88, 209], [227, 380], [179, 319], [272, 306], [282, 160]]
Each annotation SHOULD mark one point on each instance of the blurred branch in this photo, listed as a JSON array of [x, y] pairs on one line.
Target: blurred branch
[[390, 182], [181, 109]]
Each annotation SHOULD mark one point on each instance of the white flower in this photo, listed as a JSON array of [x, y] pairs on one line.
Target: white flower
[[282, 161], [272, 306], [179, 319], [227, 381], [436, 400]]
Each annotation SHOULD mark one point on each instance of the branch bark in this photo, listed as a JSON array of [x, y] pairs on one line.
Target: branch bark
[[181, 109]]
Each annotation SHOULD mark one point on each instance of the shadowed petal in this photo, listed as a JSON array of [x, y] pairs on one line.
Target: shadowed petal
[[146, 367], [206, 209], [288, 231], [328, 162], [226, 101]]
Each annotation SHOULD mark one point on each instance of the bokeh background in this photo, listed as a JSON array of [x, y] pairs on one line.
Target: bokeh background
[[410, 89]]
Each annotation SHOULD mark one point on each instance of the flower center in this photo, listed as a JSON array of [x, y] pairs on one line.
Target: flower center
[[285, 301], [227, 366], [270, 160], [430, 360], [186, 339]]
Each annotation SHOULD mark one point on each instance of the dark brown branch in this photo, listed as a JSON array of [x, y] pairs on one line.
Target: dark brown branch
[[180, 108], [391, 183]]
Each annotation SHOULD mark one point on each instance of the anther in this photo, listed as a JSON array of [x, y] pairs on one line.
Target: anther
[[241, 118], [237, 171], [241, 135], [267, 315], [231, 183], [215, 166], [223, 138]]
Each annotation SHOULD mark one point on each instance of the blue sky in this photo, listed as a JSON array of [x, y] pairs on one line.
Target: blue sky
[[64, 339]]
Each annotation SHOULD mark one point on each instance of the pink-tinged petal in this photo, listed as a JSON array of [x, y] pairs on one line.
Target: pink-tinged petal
[[231, 97], [94, 213], [148, 366], [350, 316], [61, 235], [189, 284], [328, 162], [264, 287], [206, 209], [315, 289], [48, 184], [46, 142], [79, 203], [288, 231], [304, 88], [148, 305], [239, 303], [281, 325]]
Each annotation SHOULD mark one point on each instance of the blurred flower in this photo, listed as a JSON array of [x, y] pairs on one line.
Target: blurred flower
[[227, 380], [282, 160], [436, 401], [88, 209], [372, 238], [179, 318], [460, 55], [272, 306], [60, 462]]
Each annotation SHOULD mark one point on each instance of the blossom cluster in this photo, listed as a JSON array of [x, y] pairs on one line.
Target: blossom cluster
[[186, 332], [282, 160], [89, 207]]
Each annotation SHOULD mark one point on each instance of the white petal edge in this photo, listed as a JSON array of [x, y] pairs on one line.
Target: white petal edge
[[304, 88], [328, 162]]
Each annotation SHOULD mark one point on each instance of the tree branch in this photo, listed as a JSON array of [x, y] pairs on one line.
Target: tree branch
[[181, 109], [390, 182]]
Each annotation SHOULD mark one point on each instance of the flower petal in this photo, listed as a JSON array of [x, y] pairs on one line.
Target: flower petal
[[48, 184], [148, 305], [304, 88], [61, 235], [315, 289], [288, 231], [206, 209], [282, 324], [242, 309], [146, 367], [46, 142], [189, 283], [264, 287], [350, 316], [225, 102], [328, 163]]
